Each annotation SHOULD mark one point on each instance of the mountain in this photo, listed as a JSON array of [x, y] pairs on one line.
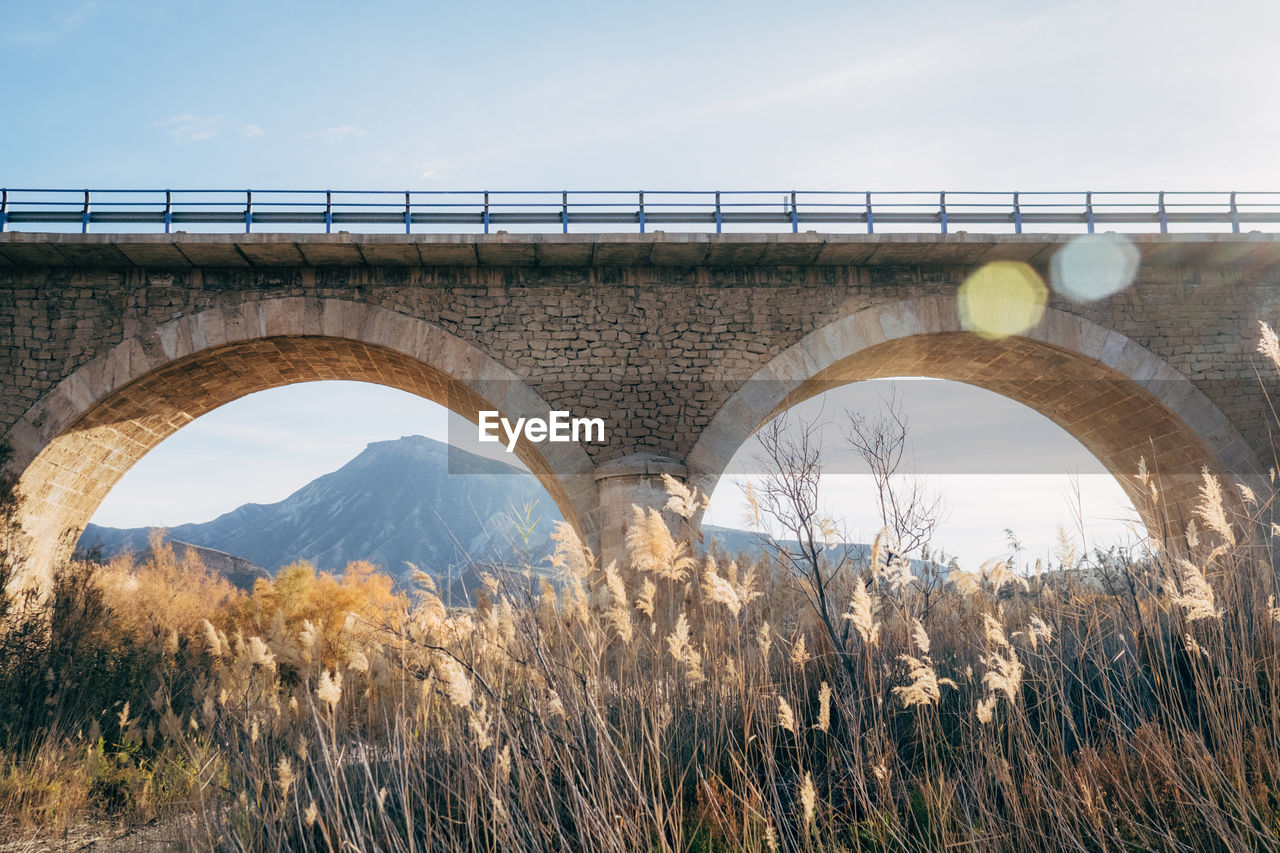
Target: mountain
[[407, 500], [410, 500], [239, 571], [734, 542]]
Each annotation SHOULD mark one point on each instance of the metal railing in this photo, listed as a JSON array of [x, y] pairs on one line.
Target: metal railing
[[481, 211]]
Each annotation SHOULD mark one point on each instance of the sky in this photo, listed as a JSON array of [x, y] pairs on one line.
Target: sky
[[1131, 95], [253, 450], [397, 95]]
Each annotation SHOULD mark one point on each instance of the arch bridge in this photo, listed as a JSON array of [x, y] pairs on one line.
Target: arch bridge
[[683, 343]]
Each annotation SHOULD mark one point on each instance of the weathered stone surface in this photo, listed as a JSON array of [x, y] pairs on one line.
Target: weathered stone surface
[[684, 344]]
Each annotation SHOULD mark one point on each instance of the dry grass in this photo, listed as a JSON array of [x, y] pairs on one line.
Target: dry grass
[[660, 709], [680, 702]]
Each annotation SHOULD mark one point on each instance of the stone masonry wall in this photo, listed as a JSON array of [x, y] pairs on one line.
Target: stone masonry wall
[[653, 350]]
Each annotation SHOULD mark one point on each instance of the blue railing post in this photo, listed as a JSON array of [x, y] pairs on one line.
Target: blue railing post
[[168, 210], [408, 214], [795, 215], [871, 217], [248, 211], [84, 215], [642, 211], [942, 211], [719, 220], [1235, 215], [4, 210], [486, 212], [1164, 216], [328, 211], [564, 213], [1088, 210], [1017, 215]]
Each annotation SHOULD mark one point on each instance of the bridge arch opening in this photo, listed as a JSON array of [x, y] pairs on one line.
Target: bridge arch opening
[[75, 445], [1121, 402], [990, 475], [333, 472]]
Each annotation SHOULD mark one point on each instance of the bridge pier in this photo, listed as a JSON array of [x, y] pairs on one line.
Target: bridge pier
[[625, 483]]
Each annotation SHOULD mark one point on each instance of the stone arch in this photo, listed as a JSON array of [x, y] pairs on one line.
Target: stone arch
[[75, 443], [1117, 398]]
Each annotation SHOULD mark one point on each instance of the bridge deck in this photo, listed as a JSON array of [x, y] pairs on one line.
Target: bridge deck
[[182, 250]]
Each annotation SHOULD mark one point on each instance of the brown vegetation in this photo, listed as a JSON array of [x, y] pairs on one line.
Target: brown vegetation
[[683, 702]]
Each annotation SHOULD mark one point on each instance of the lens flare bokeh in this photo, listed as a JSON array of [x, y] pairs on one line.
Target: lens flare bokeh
[[1002, 298], [1094, 266]]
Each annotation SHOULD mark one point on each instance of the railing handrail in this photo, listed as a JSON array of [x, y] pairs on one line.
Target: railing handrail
[[479, 210]]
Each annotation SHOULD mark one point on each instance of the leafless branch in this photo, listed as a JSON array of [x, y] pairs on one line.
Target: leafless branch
[[908, 508]]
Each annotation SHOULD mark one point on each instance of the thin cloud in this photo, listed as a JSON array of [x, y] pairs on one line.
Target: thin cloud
[[195, 128], [341, 133], [57, 27], [192, 128], [266, 437], [430, 169], [883, 73]]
